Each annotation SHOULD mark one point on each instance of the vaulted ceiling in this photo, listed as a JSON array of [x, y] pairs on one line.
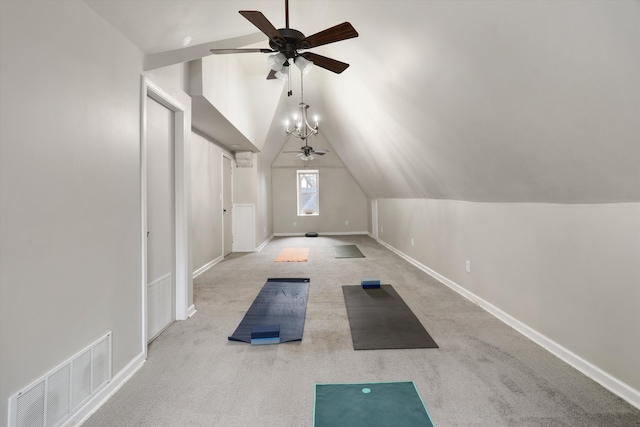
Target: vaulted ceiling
[[494, 101]]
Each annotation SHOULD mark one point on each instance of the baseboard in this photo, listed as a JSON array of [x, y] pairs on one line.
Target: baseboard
[[323, 233], [191, 310], [263, 244], [103, 396], [603, 378], [207, 266], [343, 233]]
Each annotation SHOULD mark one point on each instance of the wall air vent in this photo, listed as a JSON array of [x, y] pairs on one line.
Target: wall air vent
[[54, 398], [244, 159]]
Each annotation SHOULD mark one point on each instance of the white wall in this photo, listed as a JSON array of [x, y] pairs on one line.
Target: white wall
[[69, 190], [245, 184], [568, 272], [206, 203]]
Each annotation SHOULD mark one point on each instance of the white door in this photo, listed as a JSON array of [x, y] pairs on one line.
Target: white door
[[226, 206], [160, 217]]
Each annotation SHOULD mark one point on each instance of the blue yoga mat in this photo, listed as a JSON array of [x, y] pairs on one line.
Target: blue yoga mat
[[370, 405], [281, 301]]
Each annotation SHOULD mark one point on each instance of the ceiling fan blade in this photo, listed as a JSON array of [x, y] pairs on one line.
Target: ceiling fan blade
[[326, 63], [330, 35], [272, 75], [321, 152], [263, 24], [292, 152], [225, 51]]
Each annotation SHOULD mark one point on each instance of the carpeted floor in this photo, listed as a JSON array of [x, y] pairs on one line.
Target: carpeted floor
[[483, 374]]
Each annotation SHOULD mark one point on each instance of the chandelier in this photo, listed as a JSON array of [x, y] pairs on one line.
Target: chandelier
[[302, 129]]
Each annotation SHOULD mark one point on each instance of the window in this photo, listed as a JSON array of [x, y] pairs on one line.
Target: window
[[308, 187]]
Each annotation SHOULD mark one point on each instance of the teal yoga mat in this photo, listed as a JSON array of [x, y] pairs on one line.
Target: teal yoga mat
[[347, 251], [370, 405]]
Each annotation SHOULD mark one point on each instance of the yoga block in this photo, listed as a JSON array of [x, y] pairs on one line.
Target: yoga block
[[265, 331], [263, 341], [370, 283]]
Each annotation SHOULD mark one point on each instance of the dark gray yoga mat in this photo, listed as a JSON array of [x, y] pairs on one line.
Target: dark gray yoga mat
[[380, 319], [347, 251], [280, 302]]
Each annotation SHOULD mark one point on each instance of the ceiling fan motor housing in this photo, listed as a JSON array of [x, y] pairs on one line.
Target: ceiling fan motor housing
[[292, 42]]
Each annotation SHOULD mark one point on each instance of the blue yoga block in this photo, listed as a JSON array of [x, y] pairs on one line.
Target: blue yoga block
[[265, 331], [263, 341], [370, 283]]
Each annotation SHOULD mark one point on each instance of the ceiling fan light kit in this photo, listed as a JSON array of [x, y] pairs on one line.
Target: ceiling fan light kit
[[283, 73], [276, 61], [303, 64]]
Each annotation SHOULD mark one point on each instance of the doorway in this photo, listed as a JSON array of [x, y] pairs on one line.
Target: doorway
[[160, 217], [164, 119]]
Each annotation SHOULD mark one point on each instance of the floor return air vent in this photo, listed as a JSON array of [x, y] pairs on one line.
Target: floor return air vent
[[54, 398]]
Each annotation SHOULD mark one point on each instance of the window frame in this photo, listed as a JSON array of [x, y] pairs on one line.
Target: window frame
[[300, 172]]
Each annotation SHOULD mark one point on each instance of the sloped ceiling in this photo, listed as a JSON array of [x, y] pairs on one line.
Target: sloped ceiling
[[496, 101]]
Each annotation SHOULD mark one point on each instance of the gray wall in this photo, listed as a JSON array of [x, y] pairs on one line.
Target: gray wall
[[70, 250], [568, 272], [206, 204], [340, 200], [264, 222]]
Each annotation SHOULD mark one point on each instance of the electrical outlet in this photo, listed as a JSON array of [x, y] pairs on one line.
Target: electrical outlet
[[381, 230], [412, 243], [468, 266], [346, 222], [295, 224]]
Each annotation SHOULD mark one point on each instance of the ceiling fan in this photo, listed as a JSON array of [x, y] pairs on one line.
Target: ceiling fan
[[289, 41], [307, 153]]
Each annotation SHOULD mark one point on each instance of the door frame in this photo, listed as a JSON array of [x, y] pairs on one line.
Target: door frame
[[182, 183]]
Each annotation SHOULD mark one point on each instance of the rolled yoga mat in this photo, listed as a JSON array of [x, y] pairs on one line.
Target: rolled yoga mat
[[380, 319], [370, 405], [280, 302], [347, 251]]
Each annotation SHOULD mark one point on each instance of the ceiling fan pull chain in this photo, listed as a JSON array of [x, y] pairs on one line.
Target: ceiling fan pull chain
[[301, 87]]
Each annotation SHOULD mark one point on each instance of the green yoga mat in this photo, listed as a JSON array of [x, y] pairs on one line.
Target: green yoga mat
[[347, 251], [370, 405]]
